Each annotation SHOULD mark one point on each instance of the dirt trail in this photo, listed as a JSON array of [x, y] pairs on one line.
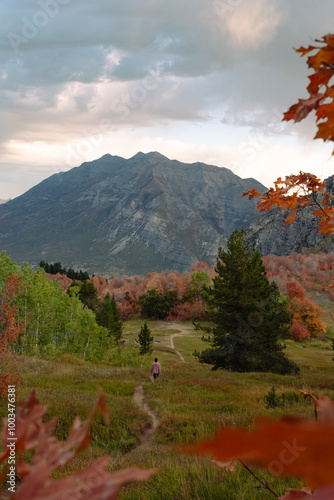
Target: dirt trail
[[173, 347], [148, 435], [182, 331]]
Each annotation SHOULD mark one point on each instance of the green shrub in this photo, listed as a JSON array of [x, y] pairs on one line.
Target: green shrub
[[271, 399], [286, 399]]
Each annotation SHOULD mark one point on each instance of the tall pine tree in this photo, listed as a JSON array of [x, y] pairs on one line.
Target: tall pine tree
[[109, 316], [249, 316], [145, 340], [89, 296]]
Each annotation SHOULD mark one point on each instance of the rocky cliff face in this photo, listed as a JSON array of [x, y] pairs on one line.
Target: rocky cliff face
[[132, 216], [269, 234]]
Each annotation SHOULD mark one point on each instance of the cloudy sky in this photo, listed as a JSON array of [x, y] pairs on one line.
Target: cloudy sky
[[196, 80]]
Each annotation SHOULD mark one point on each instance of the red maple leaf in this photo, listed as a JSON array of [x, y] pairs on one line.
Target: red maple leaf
[[286, 447]]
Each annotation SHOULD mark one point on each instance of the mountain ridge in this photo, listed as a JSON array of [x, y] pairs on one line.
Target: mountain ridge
[[114, 215]]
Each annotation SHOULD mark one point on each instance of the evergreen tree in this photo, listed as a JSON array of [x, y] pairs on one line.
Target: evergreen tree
[[71, 273], [249, 316], [56, 267], [145, 340], [82, 275], [89, 296], [44, 265], [109, 316]]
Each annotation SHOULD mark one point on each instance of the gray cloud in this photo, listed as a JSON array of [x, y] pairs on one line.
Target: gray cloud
[[67, 65]]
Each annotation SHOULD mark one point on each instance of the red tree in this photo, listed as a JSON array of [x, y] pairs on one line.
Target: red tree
[[295, 289], [10, 327], [299, 332]]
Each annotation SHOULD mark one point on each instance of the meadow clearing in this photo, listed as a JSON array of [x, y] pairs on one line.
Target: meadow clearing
[[188, 403]]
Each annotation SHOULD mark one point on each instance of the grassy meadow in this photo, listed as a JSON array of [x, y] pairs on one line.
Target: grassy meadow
[[189, 399]]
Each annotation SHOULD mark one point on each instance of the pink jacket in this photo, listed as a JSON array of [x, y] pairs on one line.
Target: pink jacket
[[155, 368]]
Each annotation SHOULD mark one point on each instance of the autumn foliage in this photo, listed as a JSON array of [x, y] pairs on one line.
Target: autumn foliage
[[285, 447], [91, 483], [128, 290], [8, 320], [298, 331], [291, 446], [306, 314], [296, 276], [10, 327], [295, 290], [299, 191], [306, 189], [320, 91]]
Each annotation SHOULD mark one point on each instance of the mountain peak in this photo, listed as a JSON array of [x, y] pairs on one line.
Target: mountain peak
[[153, 155], [112, 215]]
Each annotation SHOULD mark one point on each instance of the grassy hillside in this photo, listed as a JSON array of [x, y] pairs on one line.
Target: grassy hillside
[[189, 400]]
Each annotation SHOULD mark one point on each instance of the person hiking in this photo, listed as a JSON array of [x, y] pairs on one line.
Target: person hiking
[[155, 369]]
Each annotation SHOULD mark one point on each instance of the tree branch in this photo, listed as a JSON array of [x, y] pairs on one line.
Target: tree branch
[[263, 484]]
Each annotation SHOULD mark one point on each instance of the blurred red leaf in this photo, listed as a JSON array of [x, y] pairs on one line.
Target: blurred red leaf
[[306, 494], [92, 483], [287, 447]]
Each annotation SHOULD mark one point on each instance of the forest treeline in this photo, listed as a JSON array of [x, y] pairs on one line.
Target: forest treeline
[[42, 319], [58, 315], [296, 275], [56, 267]]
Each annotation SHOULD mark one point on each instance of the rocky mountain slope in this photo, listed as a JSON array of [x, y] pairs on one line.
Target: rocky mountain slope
[[132, 216], [269, 234]]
